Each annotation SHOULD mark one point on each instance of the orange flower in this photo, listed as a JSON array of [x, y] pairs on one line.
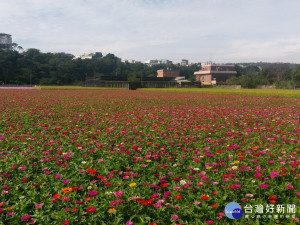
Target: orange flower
[[112, 210], [67, 190], [11, 208], [87, 199]]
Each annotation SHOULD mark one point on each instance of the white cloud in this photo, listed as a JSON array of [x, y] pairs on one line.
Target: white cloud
[[221, 30]]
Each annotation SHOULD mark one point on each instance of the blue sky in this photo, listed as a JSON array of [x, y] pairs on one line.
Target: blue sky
[[197, 30]]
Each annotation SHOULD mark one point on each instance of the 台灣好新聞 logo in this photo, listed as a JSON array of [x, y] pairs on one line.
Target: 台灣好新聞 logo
[[233, 211]]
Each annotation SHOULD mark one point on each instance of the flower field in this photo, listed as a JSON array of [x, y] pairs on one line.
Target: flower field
[[146, 157]]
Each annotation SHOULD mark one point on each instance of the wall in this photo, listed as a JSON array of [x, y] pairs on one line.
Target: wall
[[228, 86], [266, 87]]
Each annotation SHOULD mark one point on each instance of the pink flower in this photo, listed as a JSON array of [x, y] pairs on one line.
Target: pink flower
[[174, 217], [129, 223], [118, 194], [65, 199], [274, 174], [25, 218], [66, 222], [289, 186], [263, 186], [2, 204], [210, 222]]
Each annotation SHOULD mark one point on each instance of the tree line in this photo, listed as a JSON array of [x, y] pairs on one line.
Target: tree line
[[282, 75], [36, 68]]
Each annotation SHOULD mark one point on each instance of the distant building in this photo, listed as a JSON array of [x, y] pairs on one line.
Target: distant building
[[168, 73], [5, 42], [153, 62], [89, 56], [214, 73], [184, 62], [132, 61]]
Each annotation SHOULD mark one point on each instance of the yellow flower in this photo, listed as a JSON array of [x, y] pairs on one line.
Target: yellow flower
[[237, 162], [118, 184], [148, 160], [132, 185], [112, 210], [234, 167]]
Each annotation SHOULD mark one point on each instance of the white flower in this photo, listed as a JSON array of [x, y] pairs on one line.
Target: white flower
[[83, 162], [182, 182]]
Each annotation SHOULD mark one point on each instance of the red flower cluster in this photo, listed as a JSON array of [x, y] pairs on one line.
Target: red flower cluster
[[145, 202]]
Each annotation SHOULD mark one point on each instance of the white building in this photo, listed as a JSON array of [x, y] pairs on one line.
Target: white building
[[5, 42]]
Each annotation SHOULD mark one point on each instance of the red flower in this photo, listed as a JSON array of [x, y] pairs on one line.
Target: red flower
[[178, 197], [214, 205], [272, 197], [149, 202], [90, 209], [91, 171], [205, 197], [164, 185], [55, 196]]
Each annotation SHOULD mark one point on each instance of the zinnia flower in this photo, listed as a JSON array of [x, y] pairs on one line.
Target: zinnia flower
[[263, 186], [26, 218], [90, 209], [174, 217]]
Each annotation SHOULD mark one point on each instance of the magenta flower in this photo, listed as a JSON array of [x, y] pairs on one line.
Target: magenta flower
[[274, 174], [263, 186], [93, 193], [174, 217], [57, 176], [25, 218], [66, 181], [129, 223], [289, 186]]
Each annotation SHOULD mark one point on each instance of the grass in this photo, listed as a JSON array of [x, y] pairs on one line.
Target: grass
[[256, 92], [73, 88]]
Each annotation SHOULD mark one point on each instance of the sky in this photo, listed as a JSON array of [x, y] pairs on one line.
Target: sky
[[221, 31]]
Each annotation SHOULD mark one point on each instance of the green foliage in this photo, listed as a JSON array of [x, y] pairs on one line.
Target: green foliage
[[250, 76], [296, 75]]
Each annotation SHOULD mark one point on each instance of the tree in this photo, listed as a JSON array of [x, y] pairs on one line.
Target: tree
[[296, 75]]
